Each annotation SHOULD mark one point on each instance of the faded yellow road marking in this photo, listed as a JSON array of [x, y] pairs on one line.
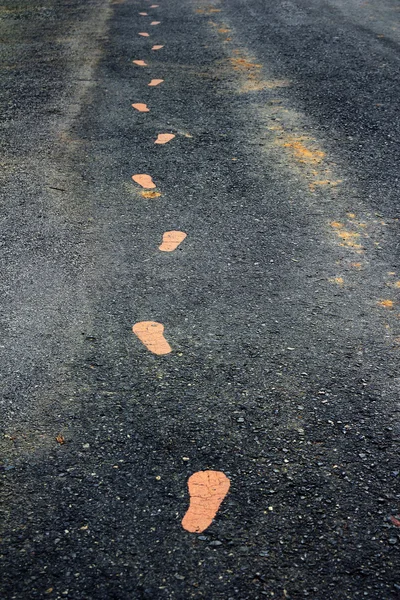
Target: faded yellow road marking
[[141, 107], [144, 180], [154, 82], [144, 34], [163, 138], [207, 10], [207, 489], [157, 47], [171, 240], [151, 334], [337, 280], [386, 303], [150, 194], [140, 63]]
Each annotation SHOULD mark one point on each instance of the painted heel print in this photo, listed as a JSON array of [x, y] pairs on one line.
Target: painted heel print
[[171, 240], [207, 489], [151, 334]]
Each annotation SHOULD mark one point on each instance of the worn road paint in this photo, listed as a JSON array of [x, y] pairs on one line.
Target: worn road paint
[[155, 22], [140, 63], [154, 6], [144, 180], [171, 240], [151, 334], [141, 107], [163, 138], [144, 34], [337, 280], [144, 14], [207, 489], [157, 47], [150, 194], [154, 82], [386, 303]]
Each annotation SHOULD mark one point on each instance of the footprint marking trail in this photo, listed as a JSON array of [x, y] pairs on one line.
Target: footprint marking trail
[[155, 82], [155, 22], [140, 63], [207, 489], [157, 47], [151, 334], [144, 14], [163, 138], [144, 34], [141, 107], [171, 240], [144, 180]]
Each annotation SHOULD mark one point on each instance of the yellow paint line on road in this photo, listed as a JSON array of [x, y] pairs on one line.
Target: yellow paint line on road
[[151, 334], [171, 240], [163, 138], [144, 180], [207, 490], [141, 107]]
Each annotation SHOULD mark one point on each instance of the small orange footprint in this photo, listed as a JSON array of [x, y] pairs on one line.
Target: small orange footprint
[[157, 47], [144, 34], [151, 334], [141, 107], [163, 138], [207, 489], [155, 22], [154, 82], [144, 14], [144, 180], [140, 63], [171, 240]]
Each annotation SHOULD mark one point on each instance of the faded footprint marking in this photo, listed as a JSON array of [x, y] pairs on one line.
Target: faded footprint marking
[[207, 489], [151, 334], [144, 180], [144, 34], [155, 22], [140, 63], [157, 47], [163, 138], [171, 240], [154, 82]]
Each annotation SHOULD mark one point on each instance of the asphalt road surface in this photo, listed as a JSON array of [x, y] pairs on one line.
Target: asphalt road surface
[[228, 318]]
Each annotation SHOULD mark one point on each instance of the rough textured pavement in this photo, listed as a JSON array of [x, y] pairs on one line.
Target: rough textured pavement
[[281, 306]]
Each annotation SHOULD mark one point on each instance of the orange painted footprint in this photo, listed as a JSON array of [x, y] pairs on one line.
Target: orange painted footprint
[[157, 47], [141, 107], [144, 34], [207, 489], [163, 138], [140, 63], [171, 240], [154, 82], [144, 180], [151, 334]]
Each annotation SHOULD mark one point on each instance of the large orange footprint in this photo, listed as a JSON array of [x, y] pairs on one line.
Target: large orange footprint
[[207, 489], [151, 334]]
